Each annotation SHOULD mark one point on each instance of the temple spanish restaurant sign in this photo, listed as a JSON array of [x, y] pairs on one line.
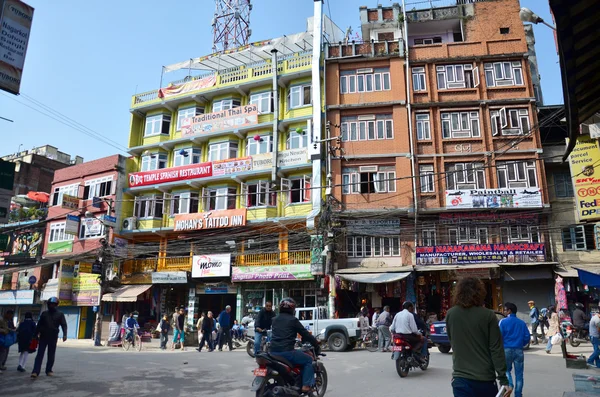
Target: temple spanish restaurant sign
[[173, 174], [225, 120], [481, 253], [210, 220]]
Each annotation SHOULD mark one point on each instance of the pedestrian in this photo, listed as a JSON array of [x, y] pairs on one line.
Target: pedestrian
[[98, 329], [206, 329], [47, 333], [10, 327], [478, 357], [165, 327], [114, 331], [515, 335], [262, 325], [534, 316], [383, 330], [363, 320], [124, 320], [594, 358], [25, 335], [544, 325], [4, 330], [225, 330], [235, 330], [179, 328], [375, 317], [553, 328]]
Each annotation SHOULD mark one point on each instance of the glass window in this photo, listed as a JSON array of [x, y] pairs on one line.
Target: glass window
[[364, 80], [563, 185], [225, 104], [57, 232], [516, 174], [158, 124], [93, 228], [367, 127], [148, 206], [460, 125], [186, 156], [427, 178], [219, 199], [297, 140], [464, 176], [222, 151], [184, 203], [59, 192], [454, 76], [510, 121], [299, 96], [100, 187], [368, 246], [423, 126], [262, 101], [264, 145], [154, 161], [185, 113], [418, 75], [499, 74]]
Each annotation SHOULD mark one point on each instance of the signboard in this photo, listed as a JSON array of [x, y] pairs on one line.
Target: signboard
[[50, 290], [18, 297], [488, 218], [173, 174], [59, 247], [120, 247], [226, 120], [214, 265], [584, 161], [85, 290], [65, 282], [271, 273], [7, 168], [190, 86], [216, 290], [169, 277], [494, 198], [92, 225], [481, 253], [70, 202], [262, 161], [210, 220], [383, 226], [225, 167], [109, 220], [292, 157], [72, 225], [97, 202], [15, 26]]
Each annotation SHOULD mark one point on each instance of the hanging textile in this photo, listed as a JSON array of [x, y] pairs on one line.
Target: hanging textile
[[410, 289], [560, 294]]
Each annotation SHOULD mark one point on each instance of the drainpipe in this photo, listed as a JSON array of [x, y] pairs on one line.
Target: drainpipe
[[275, 96]]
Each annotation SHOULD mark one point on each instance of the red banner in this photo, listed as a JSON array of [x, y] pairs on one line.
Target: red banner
[[187, 87], [165, 175]]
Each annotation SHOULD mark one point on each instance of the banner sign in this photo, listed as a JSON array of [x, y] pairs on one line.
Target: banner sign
[[92, 225], [190, 86], [494, 198], [18, 297], [292, 157], [210, 220], [214, 265], [121, 246], [65, 284], [481, 253], [316, 255], [70, 202], [15, 26], [50, 290], [225, 167], [271, 273], [584, 160], [72, 225], [262, 161], [230, 119], [169, 277], [489, 218], [86, 290], [173, 174], [383, 226], [59, 247]]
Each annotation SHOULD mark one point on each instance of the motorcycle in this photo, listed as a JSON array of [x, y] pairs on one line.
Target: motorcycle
[[406, 358], [575, 335], [264, 344], [276, 376]]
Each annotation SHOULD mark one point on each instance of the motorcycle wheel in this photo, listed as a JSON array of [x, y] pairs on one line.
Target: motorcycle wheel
[[402, 368], [426, 365], [266, 390], [573, 342], [321, 380], [250, 348]]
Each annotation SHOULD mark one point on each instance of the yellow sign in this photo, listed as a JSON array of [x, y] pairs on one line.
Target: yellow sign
[[585, 172]]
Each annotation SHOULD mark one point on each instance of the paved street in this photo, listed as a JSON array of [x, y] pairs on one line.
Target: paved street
[[85, 371]]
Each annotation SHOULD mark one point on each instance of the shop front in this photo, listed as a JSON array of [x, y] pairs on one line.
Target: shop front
[[524, 283], [20, 302]]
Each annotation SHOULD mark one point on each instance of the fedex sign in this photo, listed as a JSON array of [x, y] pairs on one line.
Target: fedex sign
[[589, 208]]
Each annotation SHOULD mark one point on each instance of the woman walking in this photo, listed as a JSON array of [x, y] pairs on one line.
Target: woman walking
[[554, 327], [25, 334]]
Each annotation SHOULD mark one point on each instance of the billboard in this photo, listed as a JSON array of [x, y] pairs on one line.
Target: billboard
[[481, 253], [185, 172], [214, 265], [272, 273], [584, 161], [530, 197], [210, 220], [15, 26], [225, 120], [231, 166]]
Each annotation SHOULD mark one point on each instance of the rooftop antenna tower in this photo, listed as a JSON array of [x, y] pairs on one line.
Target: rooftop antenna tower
[[231, 24]]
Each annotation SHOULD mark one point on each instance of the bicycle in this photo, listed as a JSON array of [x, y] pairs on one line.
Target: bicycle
[[370, 339], [132, 340]]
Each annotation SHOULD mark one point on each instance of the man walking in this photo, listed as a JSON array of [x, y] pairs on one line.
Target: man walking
[[594, 358], [383, 330], [516, 336], [179, 328], [47, 333], [262, 324], [478, 357], [225, 328], [534, 316]]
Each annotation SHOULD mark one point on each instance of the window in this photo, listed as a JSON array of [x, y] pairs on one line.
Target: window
[[59, 192], [468, 235], [183, 203], [499, 74], [457, 76], [516, 174], [423, 126], [297, 140], [578, 238], [418, 76], [563, 185], [225, 104], [460, 125], [264, 145], [186, 156], [367, 127], [154, 161], [504, 30], [57, 233], [258, 194], [158, 124], [100, 187], [428, 235], [510, 121], [185, 113], [296, 190], [461, 176], [369, 179], [368, 246], [365, 80], [262, 102], [222, 151], [95, 230], [428, 40], [427, 182], [148, 207], [219, 199], [519, 234], [299, 95]]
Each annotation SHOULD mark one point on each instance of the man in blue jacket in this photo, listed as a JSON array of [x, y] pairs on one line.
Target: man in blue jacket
[[225, 330], [515, 335]]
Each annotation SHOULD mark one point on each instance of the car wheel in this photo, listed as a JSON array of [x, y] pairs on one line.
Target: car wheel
[[337, 342], [444, 349]]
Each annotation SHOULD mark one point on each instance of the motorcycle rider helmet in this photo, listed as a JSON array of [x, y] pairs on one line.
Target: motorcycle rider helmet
[[287, 305], [579, 305], [407, 305], [53, 300]]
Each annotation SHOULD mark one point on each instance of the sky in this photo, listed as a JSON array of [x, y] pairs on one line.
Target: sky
[[86, 59]]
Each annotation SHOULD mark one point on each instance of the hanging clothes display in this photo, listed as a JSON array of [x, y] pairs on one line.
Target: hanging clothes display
[[560, 294]]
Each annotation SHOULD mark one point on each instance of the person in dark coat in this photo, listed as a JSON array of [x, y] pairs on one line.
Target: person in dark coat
[[207, 326], [25, 334]]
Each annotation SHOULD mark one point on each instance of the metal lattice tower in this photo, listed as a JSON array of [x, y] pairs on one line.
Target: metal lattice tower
[[231, 24]]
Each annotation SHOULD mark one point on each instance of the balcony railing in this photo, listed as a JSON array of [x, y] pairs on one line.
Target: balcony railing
[[370, 49], [273, 258], [182, 263], [133, 266]]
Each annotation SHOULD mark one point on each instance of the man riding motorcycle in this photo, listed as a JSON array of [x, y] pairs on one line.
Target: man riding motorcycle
[[580, 319], [404, 324], [285, 327]]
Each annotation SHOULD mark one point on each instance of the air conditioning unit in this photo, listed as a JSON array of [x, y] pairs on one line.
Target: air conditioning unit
[[130, 223]]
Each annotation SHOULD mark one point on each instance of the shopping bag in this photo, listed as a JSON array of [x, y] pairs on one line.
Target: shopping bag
[[33, 345], [9, 339], [557, 339], [158, 327]]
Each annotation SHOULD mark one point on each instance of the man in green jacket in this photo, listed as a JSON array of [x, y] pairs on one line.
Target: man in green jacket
[[478, 354]]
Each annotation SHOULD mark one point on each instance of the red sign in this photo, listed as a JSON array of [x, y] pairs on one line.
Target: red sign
[[165, 175]]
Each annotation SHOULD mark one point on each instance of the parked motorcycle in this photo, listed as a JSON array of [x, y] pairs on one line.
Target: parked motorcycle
[[264, 344], [276, 376], [575, 335], [406, 358]]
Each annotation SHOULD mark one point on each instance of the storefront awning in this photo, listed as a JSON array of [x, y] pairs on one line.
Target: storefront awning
[[375, 278], [527, 274], [434, 268], [589, 276], [127, 293], [565, 271]]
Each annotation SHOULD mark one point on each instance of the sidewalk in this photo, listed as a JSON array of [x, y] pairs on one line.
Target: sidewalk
[[154, 345]]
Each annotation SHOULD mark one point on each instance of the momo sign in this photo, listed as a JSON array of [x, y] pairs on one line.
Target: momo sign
[[216, 265], [230, 119], [173, 174], [210, 220]]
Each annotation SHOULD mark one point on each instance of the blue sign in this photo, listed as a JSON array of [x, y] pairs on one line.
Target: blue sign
[[32, 280], [73, 218], [109, 220], [97, 202], [215, 290]]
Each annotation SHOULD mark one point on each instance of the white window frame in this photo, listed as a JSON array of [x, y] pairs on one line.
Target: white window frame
[[83, 234], [185, 113], [304, 189], [516, 174], [383, 182], [226, 104], [57, 233], [150, 208], [365, 80], [265, 145], [297, 96], [368, 127], [428, 235], [463, 124], [69, 190], [427, 181], [262, 100], [418, 79], [217, 150], [155, 125], [509, 122], [194, 156], [372, 246], [468, 235], [465, 176], [296, 140], [187, 202], [96, 187], [221, 196], [428, 40], [423, 126], [503, 74], [451, 77], [263, 196], [154, 161], [519, 234]]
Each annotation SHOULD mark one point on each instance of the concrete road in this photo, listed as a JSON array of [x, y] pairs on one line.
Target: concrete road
[[82, 370]]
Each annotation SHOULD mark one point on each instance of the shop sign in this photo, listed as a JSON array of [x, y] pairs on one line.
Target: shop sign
[[316, 257], [262, 161], [481, 253], [271, 273], [72, 225], [172, 174], [70, 202], [18, 297], [109, 220], [15, 27], [215, 290], [65, 283], [210, 220], [92, 225], [231, 166], [50, 290], [494, 198], [493, 218], [382, 226], [291, 157], [85, 290], [215, 265], [190, 86], [120, 247], [169, 277], [477, 273], [584, 160], [226, 120], [59, 247]]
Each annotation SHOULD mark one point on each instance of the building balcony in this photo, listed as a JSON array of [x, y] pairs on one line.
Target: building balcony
[[135, 266], [173, 264], [273, 259], [459, 50], [366, 49]]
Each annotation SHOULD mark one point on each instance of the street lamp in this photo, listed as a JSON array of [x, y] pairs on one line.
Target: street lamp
[[527, 15]]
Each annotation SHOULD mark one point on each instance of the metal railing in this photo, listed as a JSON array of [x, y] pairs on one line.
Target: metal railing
[[133, 266], [273, 258], [175, 263]]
